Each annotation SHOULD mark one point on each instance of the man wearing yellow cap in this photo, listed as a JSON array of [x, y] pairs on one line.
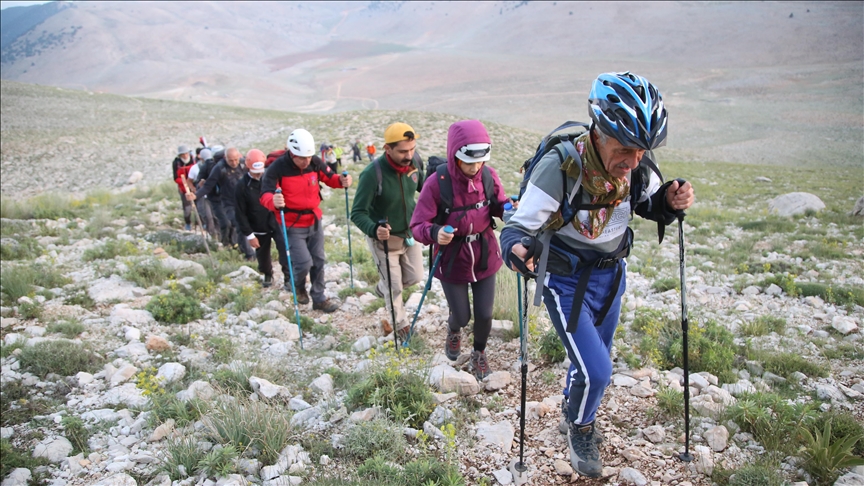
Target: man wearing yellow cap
[[386, 191]]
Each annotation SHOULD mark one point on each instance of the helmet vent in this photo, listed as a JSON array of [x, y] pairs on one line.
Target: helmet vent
[[613, 98]]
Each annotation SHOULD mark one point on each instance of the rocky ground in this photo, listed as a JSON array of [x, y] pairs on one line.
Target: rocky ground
[[479, 421]]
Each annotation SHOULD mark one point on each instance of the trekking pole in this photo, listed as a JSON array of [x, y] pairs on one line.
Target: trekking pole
[[685, 324], [522, 288], [290, 270], [198, 223], [447, 229], [383, 222], [348, 225]]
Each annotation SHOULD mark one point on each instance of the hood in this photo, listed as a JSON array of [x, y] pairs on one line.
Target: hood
[[462, 133]]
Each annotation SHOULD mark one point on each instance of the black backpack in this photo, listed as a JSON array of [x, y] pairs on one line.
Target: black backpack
[[445, 187]]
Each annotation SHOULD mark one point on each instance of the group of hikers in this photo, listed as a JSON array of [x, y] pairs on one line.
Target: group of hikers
[[569, 228]]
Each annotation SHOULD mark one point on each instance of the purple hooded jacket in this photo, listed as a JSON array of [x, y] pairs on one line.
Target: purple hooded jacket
[[461, 262]]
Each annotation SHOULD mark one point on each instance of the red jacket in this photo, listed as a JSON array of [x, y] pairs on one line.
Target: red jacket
[[300, 188], [184, 171]]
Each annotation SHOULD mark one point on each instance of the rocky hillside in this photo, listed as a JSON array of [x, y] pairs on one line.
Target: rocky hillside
[[129, 356]]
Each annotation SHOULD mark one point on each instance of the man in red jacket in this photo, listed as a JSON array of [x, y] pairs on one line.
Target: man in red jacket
[[298, 173]]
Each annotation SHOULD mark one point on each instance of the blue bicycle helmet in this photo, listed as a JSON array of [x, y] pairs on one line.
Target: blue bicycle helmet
[[629, 108]]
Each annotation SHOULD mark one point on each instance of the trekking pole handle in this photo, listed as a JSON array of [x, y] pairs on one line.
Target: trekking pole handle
[[679, 213], [534, 248], [448, 229]]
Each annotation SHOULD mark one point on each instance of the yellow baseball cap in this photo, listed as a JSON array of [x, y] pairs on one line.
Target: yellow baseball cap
[[396, 132]]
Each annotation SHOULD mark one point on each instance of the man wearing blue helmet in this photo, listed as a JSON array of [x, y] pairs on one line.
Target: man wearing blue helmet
[[586, 268]]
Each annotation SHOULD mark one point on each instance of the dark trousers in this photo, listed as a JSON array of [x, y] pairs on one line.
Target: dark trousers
[[187, 208], [307, 257], [460, 307], [205, 214], [224, 224], [234, 231], [265, 262]]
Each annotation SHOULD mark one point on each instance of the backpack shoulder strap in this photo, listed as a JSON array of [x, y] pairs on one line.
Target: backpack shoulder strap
[[445, 189], [379, 176], [489, 191]]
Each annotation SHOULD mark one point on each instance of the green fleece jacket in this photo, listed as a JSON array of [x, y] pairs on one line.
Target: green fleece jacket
[[396, 202]]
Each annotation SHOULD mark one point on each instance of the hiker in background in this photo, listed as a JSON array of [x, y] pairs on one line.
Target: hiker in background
[[257, 223], [355, 152], [299, 173], [629, 120], [400, 179], [213, 197], [205, 213], [323, 149], [330, 159], [338, 151], [471, 257], [370, 151], [224, 176], [181, 165]]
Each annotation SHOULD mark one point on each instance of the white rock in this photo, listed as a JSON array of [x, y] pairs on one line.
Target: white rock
[[305, 418], [632, 476], [132, 350], [297, 404], [123, 315], [171, 372], [503, 477], [117, 480], [501, 328], [280, 328], [795, 203], [623, 380], [641, 391], [18, 477], [197, 389], [844, 325], [122, 375], [54, 451], [825, 391], [84, 378], [162, 431], [131, 333], [135, 177], [751, 290], [6, 432], [654, 433], [363, 344], [703, 460], [127, 394], [499, 434], [268, 390], [717, 438], [497, 380], [773, 289], [182, 267], [101, 415], [698, 381], [740, 388], [323, 385], [563, 468], [461, 382]]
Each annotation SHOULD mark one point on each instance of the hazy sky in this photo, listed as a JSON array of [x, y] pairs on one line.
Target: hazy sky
[[5, 4]]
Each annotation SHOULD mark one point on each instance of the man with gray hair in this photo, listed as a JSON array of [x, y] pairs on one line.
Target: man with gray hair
[[224, 177]]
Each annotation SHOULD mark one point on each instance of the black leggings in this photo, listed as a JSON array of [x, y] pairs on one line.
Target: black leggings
[[460, 308]]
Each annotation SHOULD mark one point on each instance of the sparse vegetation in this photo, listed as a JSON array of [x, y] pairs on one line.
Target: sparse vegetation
[[551, 348], [175, 307], [147, 273], [379, 436], [70, 329], [250, 425], [64, 358]]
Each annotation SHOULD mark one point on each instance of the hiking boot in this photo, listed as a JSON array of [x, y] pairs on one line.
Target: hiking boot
[[328, 306], [453, 345], [302, 297], [188, 227], [478, 365], [268, 280], [584, 454]]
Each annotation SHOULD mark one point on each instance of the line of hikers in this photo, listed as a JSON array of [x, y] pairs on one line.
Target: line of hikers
[[569, 228]]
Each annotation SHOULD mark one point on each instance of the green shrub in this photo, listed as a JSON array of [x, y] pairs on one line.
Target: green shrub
[[221, 348], [175, 307], [80, 297], [670, 402], [182, 451], [243, 424], [147, 273], [374, 305], [62, 357], [30, 310], [667, 283], [756, 475], [12, 458], [771, 419], [18, 281], [181, 242], [367, 439], [424, 471], [404, 393], [166, 405], [69, 328], [784, 364], [19, 248], [844, 350], [18, 407], [826, 456], [245, 298], [234, 377], [110, 249], [219, 462], [843, 424], [355, 292], [551, 348], [763, 325], [76, 432]]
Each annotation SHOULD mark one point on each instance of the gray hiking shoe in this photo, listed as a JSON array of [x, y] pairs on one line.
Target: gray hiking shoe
[[564, 425], [478, 365], [453, 344], [584, 454]]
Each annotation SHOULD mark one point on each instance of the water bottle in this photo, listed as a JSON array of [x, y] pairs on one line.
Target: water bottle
[[509, 211]]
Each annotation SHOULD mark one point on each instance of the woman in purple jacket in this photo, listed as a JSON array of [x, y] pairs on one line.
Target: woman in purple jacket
[[471, 253]]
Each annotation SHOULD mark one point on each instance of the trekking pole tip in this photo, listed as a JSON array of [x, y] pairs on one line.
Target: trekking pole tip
[[685, 457], [518, 469]]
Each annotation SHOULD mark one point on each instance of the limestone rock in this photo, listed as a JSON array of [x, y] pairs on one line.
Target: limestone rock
[[268, 390], [703, 460], [654, 433], [499, 434], [54, 451], [632, 476], [157, 343], [858, 210], [323, 385], [162, 431], [113, 288], [795, 203], [497, 380], [18, 477], [717, 438], [171, 372], [120, 479], [563, 468], [844, 325], [281, 329]]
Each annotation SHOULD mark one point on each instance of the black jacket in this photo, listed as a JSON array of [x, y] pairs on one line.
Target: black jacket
[[220, 183], [251, 216], [176, 164]]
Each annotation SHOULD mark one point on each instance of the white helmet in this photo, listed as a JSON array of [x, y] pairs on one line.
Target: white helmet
[[301, 143]]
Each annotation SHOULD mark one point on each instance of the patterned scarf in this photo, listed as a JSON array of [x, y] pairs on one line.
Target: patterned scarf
[[603, 188]]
